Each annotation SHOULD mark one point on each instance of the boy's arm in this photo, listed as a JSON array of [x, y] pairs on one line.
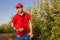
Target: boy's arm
[[19, 29], [31, 30], [13, 26]]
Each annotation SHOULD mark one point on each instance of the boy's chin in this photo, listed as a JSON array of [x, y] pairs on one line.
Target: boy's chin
[[21, 12]]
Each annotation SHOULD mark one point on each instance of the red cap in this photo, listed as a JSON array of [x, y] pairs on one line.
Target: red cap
[[19, 5]]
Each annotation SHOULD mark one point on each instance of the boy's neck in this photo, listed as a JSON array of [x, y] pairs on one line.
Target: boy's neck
[[21, 13]]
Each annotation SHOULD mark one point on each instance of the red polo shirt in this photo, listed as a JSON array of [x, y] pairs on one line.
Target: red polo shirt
[[21, 22]]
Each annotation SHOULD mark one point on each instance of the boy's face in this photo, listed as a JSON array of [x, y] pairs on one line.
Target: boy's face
[[19, 9]]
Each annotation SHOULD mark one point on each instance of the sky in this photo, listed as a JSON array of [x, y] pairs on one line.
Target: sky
[[7, 8]]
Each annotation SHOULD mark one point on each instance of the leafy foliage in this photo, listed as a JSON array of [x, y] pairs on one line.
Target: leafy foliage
[[46, 19]]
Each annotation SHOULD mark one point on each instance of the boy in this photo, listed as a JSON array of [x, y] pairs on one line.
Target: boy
[[20, 24]]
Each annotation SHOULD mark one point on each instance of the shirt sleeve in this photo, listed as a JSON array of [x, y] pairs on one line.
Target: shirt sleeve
[[29, 17], [14, 19]]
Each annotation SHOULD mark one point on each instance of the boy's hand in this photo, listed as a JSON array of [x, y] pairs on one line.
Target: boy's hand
[[20, 29], [31, 34]]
